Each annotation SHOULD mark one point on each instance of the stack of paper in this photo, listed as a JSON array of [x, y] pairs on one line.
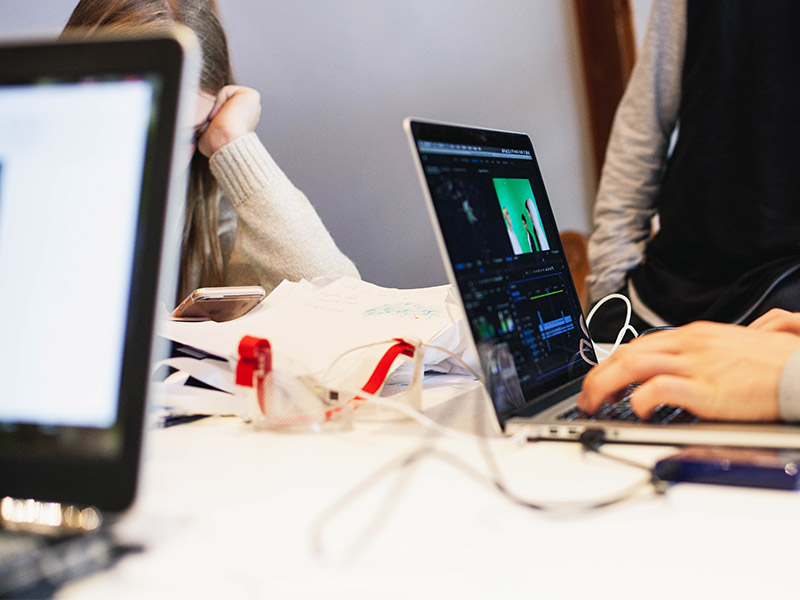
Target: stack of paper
[[311, 323]]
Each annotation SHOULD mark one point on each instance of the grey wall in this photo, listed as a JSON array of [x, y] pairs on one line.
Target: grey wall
[[641, 12], [337, 77]]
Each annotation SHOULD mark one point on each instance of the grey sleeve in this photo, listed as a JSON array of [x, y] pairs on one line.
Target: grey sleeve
[[637, 150], [789, 390]]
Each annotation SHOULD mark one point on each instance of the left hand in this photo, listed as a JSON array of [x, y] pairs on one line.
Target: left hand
[[235, 113], [716, 371]]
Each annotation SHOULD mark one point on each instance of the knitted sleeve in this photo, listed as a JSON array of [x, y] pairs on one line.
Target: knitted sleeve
[[278, 232]]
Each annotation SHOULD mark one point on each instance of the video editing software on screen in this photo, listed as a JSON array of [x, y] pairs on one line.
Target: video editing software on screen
[[507, 257]]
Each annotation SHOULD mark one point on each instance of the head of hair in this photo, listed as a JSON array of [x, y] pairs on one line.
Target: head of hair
[[200, 244], [201, 16]]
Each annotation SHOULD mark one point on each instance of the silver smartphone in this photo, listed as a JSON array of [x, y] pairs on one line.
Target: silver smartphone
[[219, 303]]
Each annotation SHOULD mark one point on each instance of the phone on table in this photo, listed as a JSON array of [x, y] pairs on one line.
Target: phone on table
[[775, 469], [219, 303]]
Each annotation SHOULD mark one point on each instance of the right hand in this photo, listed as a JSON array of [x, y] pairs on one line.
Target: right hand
[[716, 371], [235, 113], [778, 320]]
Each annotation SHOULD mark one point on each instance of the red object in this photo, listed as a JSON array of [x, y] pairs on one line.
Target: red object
[[254, 354], [378, 376], [255, 361]]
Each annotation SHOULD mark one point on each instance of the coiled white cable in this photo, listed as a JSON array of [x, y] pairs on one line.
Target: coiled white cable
[[623, 330]]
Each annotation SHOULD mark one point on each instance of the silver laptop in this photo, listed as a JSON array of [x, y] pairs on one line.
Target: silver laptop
[[88, 132], [502, 250]]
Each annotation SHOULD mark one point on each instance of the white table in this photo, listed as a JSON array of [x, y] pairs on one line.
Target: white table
[[228, 512]]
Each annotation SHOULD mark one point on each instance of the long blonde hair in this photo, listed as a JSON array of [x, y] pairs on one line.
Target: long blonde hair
[[200, 243]]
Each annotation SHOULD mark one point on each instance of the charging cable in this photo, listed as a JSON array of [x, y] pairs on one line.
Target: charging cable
[[626, 327], [593, 438]]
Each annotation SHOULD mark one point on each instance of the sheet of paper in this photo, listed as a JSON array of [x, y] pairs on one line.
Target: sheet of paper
[[174, 400], [216, 373], [310, 324]]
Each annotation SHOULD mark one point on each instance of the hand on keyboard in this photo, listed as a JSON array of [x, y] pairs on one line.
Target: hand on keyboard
[[716, 371], [621, 410]]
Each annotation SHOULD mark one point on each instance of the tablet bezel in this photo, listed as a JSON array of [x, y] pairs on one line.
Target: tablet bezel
[[53, 465]]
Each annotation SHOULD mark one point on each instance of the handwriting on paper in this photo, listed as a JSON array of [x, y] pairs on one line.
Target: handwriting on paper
[[404, 310]]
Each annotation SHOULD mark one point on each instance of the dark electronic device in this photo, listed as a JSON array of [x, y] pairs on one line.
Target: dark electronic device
[[94, 134], [733, 466]]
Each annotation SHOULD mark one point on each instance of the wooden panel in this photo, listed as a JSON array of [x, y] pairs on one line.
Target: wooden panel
[[576, 249], [608, 49]]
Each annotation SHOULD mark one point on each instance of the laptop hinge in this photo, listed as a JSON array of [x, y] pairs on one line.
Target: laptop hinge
[[545, 401]]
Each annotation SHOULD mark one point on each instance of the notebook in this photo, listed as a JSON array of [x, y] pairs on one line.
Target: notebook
[[89, 130], [502, 250]]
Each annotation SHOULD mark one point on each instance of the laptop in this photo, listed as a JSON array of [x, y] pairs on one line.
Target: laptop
[[89, 130], [502, 250]]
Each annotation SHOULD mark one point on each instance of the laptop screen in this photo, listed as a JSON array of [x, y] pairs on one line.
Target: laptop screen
[[499, 235]]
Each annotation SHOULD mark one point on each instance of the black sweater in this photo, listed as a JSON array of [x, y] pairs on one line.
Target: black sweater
[[729, 202]]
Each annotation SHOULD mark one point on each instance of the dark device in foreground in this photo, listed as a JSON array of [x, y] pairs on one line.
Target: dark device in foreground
[[733, 466], [219, 303], [90, 124], [74, 381]]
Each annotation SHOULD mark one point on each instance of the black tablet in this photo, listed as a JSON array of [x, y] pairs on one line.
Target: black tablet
[[95, 139]]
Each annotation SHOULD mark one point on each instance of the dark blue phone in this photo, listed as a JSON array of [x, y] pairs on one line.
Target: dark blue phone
[[776, 469]]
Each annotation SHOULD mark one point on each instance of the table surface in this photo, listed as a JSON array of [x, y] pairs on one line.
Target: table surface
[[225, 510]]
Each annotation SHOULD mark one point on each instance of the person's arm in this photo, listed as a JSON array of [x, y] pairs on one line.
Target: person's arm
[[789, 388], [717, 371], [279, 232], [637, 151]]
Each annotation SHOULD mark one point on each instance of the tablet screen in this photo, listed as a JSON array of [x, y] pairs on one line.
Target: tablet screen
[[88, 190], [71, 164]]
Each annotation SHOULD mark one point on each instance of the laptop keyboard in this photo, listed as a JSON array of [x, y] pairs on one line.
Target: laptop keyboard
[[622, 411], [34, 566]]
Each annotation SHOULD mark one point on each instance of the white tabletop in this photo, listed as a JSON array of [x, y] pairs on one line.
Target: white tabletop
[[227, 511]]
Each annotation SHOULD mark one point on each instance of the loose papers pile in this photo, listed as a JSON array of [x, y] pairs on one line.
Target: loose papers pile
[[309, 324]]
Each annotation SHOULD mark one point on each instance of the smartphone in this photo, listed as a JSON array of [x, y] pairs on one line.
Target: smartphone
[[219, 303], [775, 469]]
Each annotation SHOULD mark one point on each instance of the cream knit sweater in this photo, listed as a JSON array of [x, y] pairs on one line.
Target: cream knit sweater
[[268, 229]]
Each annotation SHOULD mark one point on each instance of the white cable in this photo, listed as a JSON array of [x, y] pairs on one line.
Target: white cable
[[458, 359], [426, 421], [419, 416], [582, 347], [414, 342], [623, 330]]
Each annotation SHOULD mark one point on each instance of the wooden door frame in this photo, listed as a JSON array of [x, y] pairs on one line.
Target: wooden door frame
[[608, 50]]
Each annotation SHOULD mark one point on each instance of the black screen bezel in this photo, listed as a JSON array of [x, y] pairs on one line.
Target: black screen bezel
[[55, 472], [433, 131]]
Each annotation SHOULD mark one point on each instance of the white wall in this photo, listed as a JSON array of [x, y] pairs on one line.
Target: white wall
[[338, 76]]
